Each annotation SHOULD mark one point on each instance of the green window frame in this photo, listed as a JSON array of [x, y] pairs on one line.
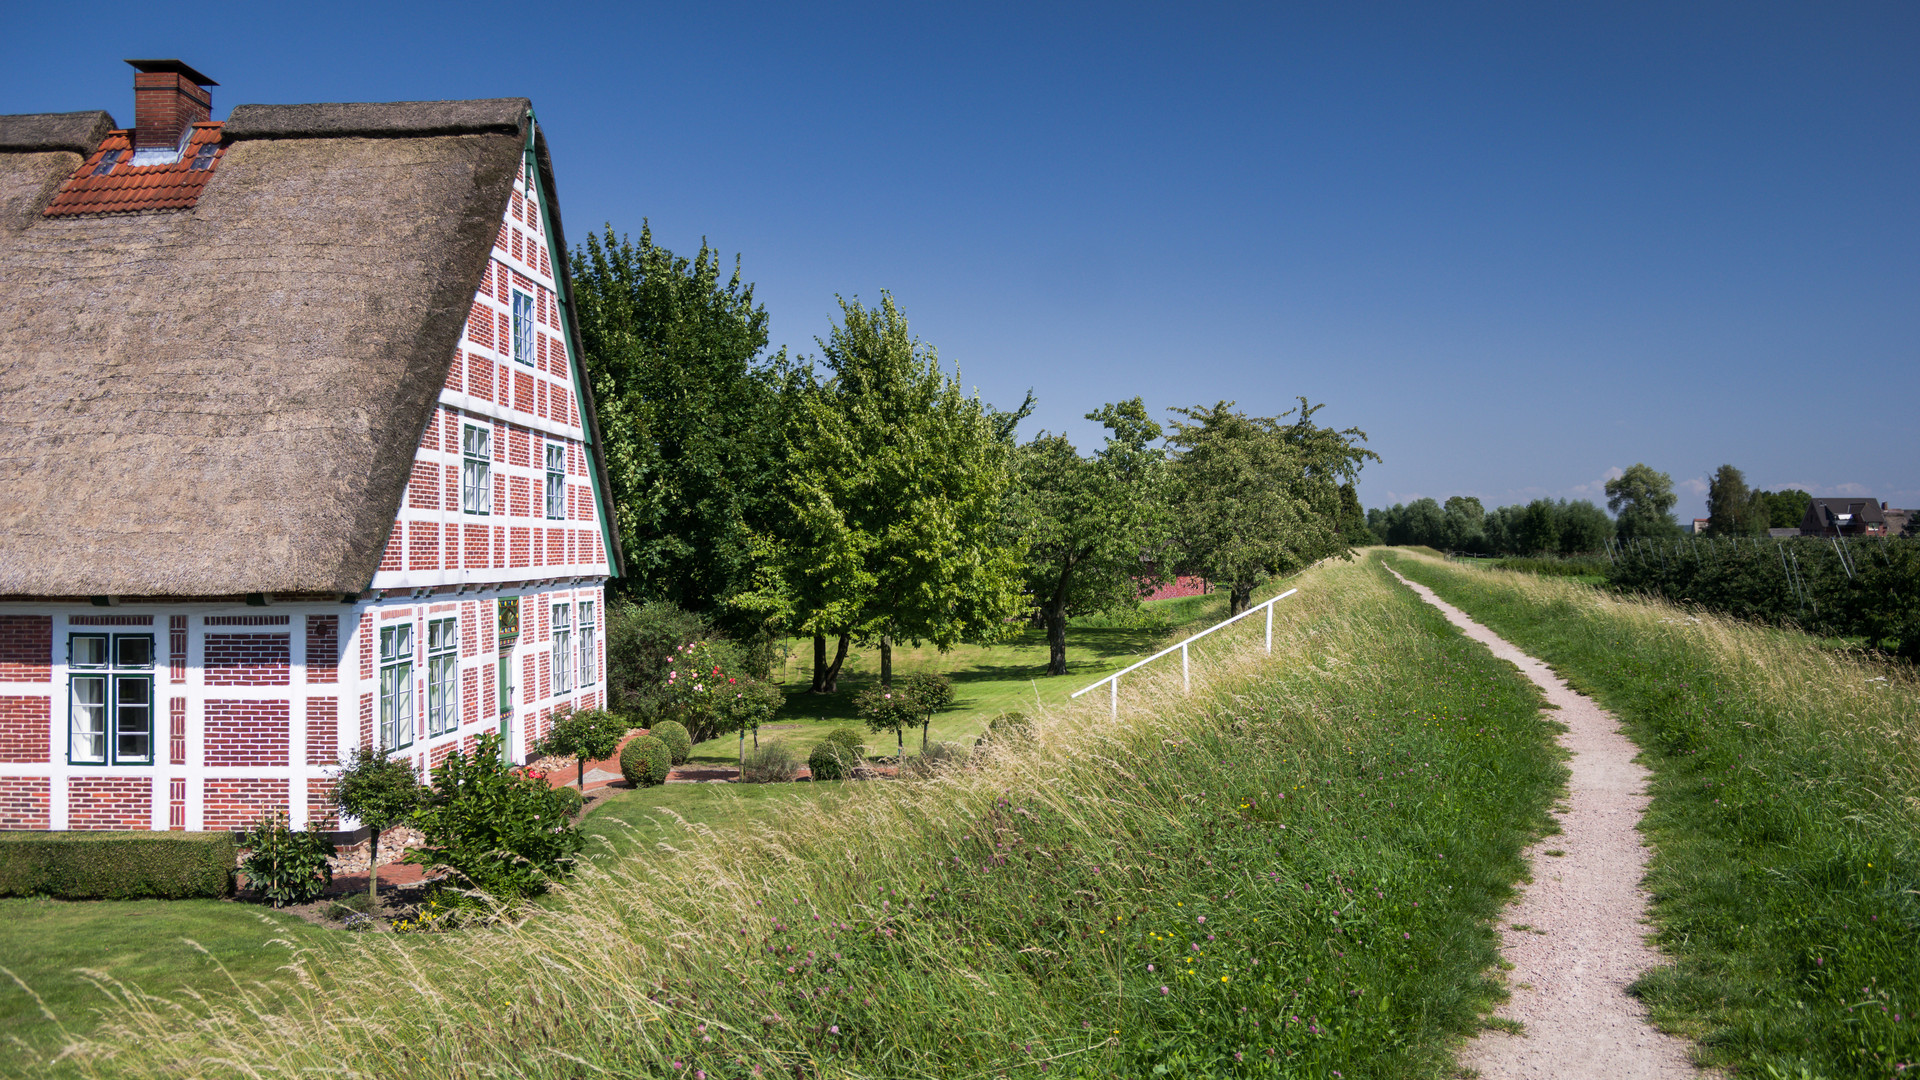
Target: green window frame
[[396, 686], [476, 469], [589, 655], [443, 676], [522, 328], [562, 649], [110, 699], [556, 481]]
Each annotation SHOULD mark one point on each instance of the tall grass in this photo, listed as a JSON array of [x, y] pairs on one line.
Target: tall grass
[[1288, 872], [1785, 817]]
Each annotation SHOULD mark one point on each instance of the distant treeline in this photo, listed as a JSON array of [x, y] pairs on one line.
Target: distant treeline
[[1543, 526], [1837, 587]]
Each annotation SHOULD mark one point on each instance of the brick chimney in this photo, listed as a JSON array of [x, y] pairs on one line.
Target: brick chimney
[[168, 98]]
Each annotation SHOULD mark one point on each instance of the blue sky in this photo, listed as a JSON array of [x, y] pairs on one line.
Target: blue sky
[[1520, 245]]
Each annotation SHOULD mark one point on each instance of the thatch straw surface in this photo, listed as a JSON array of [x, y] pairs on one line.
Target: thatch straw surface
[[228, 399]]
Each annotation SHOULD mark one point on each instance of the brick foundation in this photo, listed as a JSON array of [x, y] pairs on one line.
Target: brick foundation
[[25, 802], [110, 802]]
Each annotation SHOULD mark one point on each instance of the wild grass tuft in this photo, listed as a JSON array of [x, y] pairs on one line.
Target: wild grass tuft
[[1785, 818]]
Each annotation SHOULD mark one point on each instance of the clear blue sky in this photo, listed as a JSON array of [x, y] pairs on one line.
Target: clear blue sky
[[1520, 245]]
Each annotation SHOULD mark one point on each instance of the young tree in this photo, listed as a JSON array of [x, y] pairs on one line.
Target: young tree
[[1642, 502], [380, 792], [1731, 508], [1256, 497], [587, 735], [689, 404], [929, 693], [1089, 521], [896, 495]]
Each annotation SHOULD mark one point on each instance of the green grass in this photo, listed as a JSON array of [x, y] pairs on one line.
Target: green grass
[[633, 823], [146, 943], [1291, 871], [1785, 819], [988, 679]]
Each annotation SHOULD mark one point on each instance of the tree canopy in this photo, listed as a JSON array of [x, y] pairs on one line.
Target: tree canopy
[[1254, 496], [1642, 501], [1089, 521], [689, 404]]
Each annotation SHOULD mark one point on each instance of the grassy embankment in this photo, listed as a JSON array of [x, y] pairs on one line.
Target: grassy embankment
[[1289, 872], [1785, 818]]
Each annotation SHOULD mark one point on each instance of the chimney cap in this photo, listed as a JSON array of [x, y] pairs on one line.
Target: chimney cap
[[173, 66]]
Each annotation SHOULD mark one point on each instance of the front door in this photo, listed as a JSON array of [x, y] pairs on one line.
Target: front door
[[506, 707]]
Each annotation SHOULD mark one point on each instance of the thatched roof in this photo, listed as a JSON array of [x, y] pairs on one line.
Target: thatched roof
[[228, 399]]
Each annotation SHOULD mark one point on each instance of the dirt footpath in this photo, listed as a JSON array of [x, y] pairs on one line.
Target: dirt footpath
[[1577, 935]]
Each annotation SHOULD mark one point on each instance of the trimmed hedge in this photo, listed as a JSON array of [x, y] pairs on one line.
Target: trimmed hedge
[[116, 865]]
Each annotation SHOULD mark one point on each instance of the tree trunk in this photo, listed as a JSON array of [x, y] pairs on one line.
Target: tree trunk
[[373, 872], [1239, 595], [1057, 637], [900, 737], [819, 664], [743, 748], [924, 725], [833, 669], [886, 661]]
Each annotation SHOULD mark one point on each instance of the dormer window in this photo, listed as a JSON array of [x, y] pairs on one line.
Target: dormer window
[[107, 161], [203, 160]]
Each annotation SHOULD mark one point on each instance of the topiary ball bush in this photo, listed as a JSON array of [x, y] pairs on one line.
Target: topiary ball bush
[[646, 761], [831, 761], [570, 801], [674, 734], [853, 740]]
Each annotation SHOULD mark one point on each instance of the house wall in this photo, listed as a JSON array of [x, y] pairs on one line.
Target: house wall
[[253, 707], [525, 403]]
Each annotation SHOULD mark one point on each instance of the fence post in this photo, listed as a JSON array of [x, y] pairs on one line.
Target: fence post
[[1113, 696], [1186, 681], [1270, 627]]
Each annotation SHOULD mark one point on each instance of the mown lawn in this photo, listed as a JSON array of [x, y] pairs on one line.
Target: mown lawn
[[988, 679], [160, 946], [633, 823]]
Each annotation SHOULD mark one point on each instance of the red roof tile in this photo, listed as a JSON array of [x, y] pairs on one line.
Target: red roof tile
[[126, 188]]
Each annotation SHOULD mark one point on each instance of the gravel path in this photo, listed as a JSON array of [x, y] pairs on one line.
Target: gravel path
[[1577, 936]]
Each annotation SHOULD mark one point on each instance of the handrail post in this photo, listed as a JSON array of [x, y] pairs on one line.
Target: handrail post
[[1270, 627], [1186, 680], [1113, 696]]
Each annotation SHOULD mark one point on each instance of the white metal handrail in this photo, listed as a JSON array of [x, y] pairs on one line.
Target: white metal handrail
[[1186, 678]]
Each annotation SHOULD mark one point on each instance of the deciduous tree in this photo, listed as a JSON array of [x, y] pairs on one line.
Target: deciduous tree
[[1732, 509], [1642, 502], [1088, 521], [1254, 496], [380, 792]]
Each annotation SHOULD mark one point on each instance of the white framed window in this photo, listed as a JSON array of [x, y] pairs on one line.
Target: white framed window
[[110, 692], [522, 328], [396, 686], [476, 469], [589, 656], [556, 480], [562, 648], [443, 676]]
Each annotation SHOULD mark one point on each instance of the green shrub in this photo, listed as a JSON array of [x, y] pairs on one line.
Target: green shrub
[[116, 865], [646, 761], [850, 739], [570, 800], [830, 760], [674, 734], [285, 866], [935, 757], [640, 639], [772, 762], [505, 833], [1009, 727]]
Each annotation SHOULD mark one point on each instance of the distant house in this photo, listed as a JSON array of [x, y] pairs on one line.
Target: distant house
[[1897, 520], [1700, 526], [1844, 517], [296, 452]]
